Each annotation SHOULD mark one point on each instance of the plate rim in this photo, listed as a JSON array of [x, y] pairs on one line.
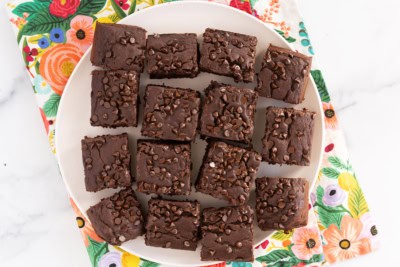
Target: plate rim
[[183, 2]]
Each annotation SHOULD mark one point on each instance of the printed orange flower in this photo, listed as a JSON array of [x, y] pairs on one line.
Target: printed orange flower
[[306, 242], [63, 8], [57, 65], [345, 243], [81, 32], [223, 264], [330, 116], [85, 227]]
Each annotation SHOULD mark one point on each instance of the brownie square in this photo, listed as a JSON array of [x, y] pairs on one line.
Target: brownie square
[[229, 54], [118, 218], [170, 113], [288, 136], [228, 172], [163, 167], [284, 75], [228, 112], [172, 55], [281, 203], [173, 224], [119, 47], [106, 161], [227, 234], [114, 98]]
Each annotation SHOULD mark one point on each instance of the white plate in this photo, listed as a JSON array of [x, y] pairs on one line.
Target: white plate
[[179, 17]]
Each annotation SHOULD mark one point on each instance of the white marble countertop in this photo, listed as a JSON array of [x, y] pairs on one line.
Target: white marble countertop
[[356, 43]]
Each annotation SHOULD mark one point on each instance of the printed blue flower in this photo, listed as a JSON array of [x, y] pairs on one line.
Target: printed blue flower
[[57, 35], [41, 86], [43, 42]]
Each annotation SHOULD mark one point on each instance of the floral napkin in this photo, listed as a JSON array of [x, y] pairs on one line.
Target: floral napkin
[[54, 34]]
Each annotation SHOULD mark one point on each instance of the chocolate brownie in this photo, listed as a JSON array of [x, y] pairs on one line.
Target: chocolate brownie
[[114, 98], [163, 167], [281, 203], [228, 112], [119, 47], [118, 218], [284, 75], [227, 234], [172, 55], [228, 172], [288, 136], [229, 54], [106, 162], [173, 224], [170, 113]]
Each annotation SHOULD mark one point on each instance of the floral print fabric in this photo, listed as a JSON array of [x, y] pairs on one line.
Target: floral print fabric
[[54, 34]]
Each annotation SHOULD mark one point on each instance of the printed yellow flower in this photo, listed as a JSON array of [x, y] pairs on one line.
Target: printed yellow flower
[[347, 181], [129, 260]]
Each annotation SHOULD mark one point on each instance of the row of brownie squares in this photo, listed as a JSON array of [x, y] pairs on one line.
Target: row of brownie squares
[[283, 75], [226, 112], [164, 168], [226, 233]]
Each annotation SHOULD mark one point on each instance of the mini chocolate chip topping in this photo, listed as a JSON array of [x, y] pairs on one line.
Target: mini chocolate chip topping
[[173, 224], [106, 165], [227, 234], [228, 172], [288, 136], [163, 167], [229, 54], [228, 112], [284, 75], [281, 203], [118, 218], [170, 113]]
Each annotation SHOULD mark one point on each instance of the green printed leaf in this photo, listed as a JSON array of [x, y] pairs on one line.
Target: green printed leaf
[[281, 235], [96, 250], [315, 258], [146, 263], [321, 86], [337, 162], [43, 22], [287, 38], [327, 215], [91, 7], [330, 172], [253, 3], [279, 258], [114, 17], [133, 7], [30, 8], [37, 67], [118, 10], [357, 203], [24, 43], [50, 108]]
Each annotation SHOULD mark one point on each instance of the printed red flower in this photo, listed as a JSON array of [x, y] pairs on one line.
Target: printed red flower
[[243, 5], [63, 8], [122, 3], [263, 245], [30, 53], [45, 121]]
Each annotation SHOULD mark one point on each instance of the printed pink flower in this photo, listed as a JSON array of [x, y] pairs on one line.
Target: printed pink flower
[[346, 242], [30, 53], [306, 242], [369, 230], [81, 33], [123, 4], [63, 8]]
